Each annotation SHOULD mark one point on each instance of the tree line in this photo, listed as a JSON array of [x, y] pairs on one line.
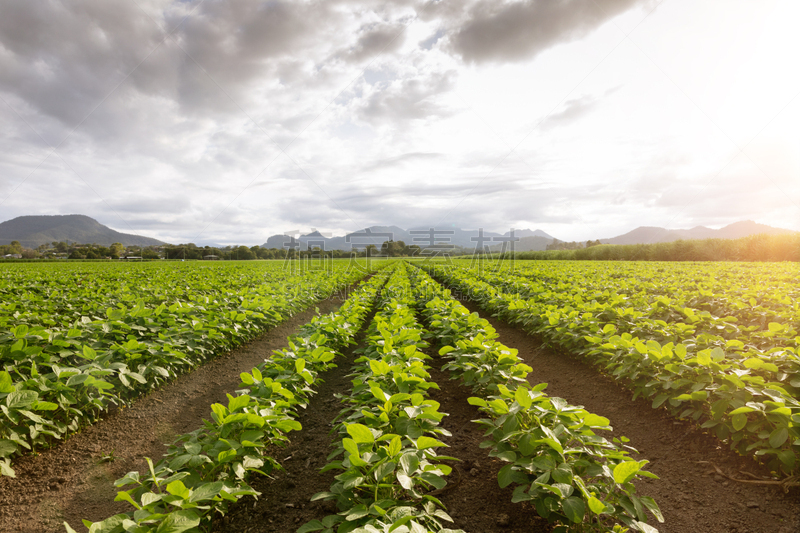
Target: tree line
[[191, 251]]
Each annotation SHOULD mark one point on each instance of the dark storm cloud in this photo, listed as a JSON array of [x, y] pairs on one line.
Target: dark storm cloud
[[513, 31]]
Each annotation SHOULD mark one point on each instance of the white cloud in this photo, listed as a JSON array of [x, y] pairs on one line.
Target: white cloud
[[583, 118]]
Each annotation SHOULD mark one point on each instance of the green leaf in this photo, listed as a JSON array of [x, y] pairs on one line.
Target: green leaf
[[20, 331], [226, 455], [652, 506], [400, 522], [659, 400], [553, 443], [574, 508], [596, 421], [717, 354], [314, 525], [178, 522], [6, 384], [644, 527], [739, 421], [409, 463], [405, 480], [5, 468], [44, 406], [350, 446], [360, 433], [125, 497], [505, 476], [206, 491], [395, 446], [596, 506], [359, 511], [423, 443], [778, 437], [523, 398], [19, 400], [177, 488], [787, 458], [88, 353], [7, 447], [149, 498], [625, 471], [237, 402]]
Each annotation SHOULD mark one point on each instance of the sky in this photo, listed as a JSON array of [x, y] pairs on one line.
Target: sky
[[228, 122]]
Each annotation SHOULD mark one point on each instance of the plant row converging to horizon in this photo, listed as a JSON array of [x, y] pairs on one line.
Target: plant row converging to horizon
[[717, 343]]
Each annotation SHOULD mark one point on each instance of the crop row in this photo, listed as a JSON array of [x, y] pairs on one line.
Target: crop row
[[729, 385], [744, 314], [205, 470], [388, 432], [574, 477], [69, 354]]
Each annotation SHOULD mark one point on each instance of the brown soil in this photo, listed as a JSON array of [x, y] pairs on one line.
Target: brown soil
[[72, 481], [472, 497], [691, 495]]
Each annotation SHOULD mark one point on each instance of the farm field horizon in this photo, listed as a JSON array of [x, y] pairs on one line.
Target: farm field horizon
[[399, 267], [711, 347]]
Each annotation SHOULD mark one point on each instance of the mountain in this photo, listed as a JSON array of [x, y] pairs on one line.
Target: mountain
[[532, 243], [32, 231], [421, 236], [651, 234], [522, 233]]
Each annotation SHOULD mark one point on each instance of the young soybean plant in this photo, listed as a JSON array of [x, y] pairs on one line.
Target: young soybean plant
[[575, 478], [390, 468], [207, 469]]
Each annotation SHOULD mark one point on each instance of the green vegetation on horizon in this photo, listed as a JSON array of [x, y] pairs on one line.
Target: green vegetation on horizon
[[752, 248]]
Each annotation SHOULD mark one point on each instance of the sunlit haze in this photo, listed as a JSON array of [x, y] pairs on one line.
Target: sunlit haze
[[217, 122]]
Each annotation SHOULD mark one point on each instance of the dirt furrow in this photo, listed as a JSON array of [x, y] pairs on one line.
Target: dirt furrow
[[74, 480], [691, 495]]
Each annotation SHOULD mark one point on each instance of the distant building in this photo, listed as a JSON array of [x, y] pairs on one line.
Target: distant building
[[211, 257], [12, 256]]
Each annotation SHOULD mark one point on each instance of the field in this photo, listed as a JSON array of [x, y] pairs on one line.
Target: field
[[387, 381]]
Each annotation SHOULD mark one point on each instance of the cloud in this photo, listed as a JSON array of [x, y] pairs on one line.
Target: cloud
[[221, 121], [381, 40], [572, 111], [401, 160], [408, 99], [514, 31], [65, 59]]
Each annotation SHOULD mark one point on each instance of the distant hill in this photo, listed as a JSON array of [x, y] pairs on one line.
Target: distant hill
[[533, 243], [420, 236], [651, 234], [32, 231]]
